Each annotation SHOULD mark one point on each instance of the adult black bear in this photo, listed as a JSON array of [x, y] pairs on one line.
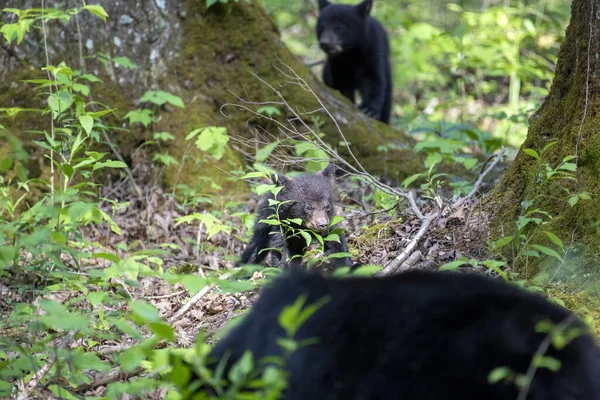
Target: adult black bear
[[358, 52], [308, 197], [419, 335]]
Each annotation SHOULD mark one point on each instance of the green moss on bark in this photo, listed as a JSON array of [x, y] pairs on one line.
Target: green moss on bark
[[569, 115]]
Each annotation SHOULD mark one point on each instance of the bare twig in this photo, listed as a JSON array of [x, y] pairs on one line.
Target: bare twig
[[165, 296], [394, 265], [479, 181], [103, 380], [195, 299], [51, 114]]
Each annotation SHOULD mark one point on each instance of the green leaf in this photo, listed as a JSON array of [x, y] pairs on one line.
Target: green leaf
[[87, 123], [366, 270], [498, 374], [97, 10], [164, 136], [124, 62], [573, 200], [503, 241], [210, 3], [265, 152], [241, 368], [62, 393], [163, 331], [144, 310], [59, 102], [554, 239], [131, 358], [548, 362], [269, 110], [109, 164], [67, 170], [83, 89], [307, 237], [332, 237], [193, 283], [531, 253], [453, 266], [234, 286], [160, 97], [255, 174], [16, 30], [90, 78], [335, 220], [340, 254], [547, 251], [213, 140], [144, 117], [532, 153], [264, 188], [10, 32], [95, 298], [6, 163], [406, 182], [125, 327], [568, 167], [469, 163]]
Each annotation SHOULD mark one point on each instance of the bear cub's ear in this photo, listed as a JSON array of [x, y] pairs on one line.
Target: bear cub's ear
[[364, 8], [280, 179], [329, 171], [323, 4]]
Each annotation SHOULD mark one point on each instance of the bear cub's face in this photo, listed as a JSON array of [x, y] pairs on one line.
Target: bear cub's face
[[312, 198], [341, 27]]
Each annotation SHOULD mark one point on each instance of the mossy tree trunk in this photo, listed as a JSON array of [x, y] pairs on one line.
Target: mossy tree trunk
[[570, 116], [203, 56]]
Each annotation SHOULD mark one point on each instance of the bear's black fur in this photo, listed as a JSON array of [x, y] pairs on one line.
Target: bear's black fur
[[417, 335], [358, 52], [308, 197]]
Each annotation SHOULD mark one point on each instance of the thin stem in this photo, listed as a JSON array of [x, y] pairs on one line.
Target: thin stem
[[51, 113]]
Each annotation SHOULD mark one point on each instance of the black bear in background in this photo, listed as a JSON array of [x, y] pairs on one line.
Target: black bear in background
[[308, 197], [417, 335], [358, 52]]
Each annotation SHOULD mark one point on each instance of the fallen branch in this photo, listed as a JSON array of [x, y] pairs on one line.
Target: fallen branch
[[103, 380], [394, 265], [184, 309]]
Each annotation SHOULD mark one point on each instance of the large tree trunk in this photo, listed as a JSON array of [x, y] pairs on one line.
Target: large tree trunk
[[569, 115], [205, 57]]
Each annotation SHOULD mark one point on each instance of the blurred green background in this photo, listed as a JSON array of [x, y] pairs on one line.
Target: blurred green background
[[471, 64]]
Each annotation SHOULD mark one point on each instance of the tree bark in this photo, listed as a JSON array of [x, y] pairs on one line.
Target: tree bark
[[204, 56], [569, 115]]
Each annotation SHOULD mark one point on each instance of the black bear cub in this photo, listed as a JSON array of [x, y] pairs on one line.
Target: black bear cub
[[308, 197], [420, 335], [358, 52]]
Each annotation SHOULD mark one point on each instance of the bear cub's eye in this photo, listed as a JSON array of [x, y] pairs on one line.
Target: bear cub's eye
[[307, 207]]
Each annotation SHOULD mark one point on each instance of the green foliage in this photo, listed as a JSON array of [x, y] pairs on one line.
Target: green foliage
[[212, 139], [532, 225]]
